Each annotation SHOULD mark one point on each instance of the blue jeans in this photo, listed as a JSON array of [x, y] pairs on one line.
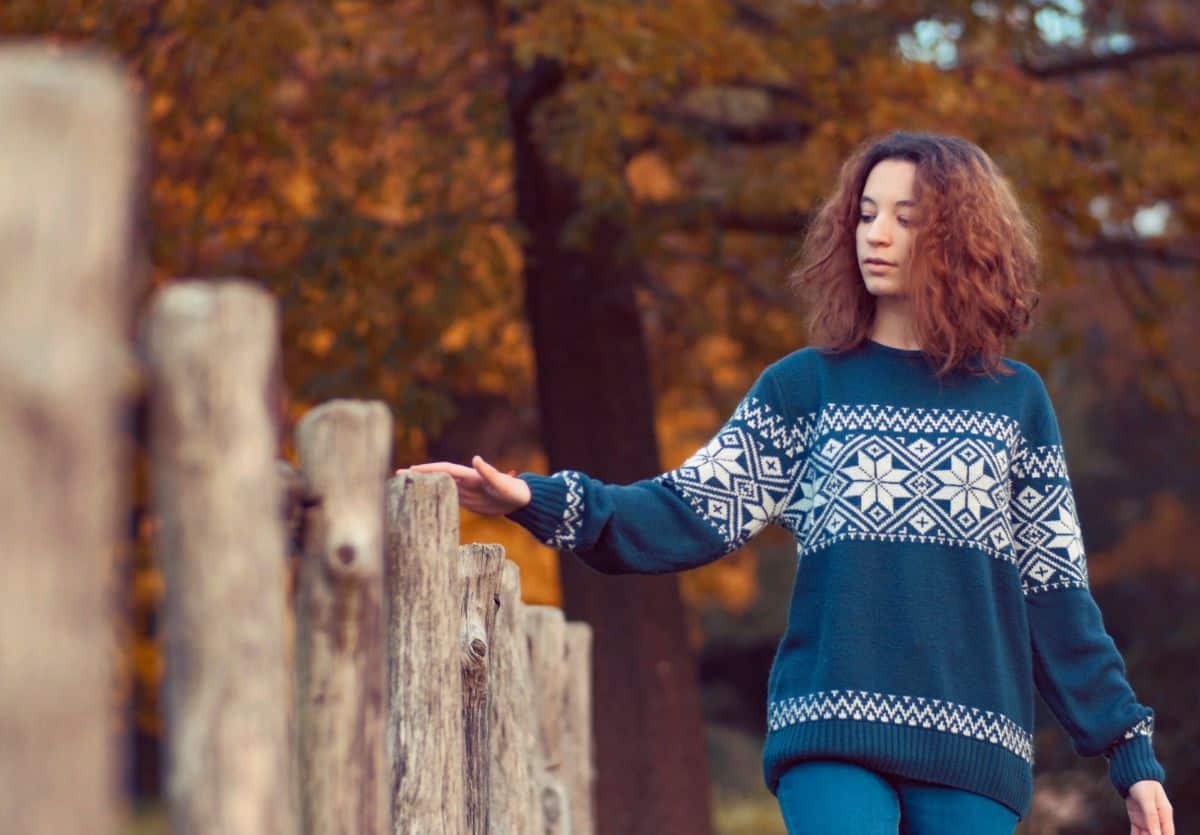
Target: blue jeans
[[833, 797]]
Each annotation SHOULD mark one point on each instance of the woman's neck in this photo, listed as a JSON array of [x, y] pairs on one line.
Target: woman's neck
[[893, 324]]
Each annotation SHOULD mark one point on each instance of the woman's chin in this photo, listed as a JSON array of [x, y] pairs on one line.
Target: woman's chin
[[883, 287]]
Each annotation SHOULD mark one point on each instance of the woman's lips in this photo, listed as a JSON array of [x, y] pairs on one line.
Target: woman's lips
[[878, 265]]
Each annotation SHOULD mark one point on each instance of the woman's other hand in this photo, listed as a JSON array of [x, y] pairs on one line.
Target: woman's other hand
[[482, 488], [1150, 812]]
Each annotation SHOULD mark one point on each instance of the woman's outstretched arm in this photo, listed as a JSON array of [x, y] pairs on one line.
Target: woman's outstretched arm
[[721, 496]]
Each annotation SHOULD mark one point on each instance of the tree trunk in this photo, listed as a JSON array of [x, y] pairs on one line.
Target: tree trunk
[[596, 410]]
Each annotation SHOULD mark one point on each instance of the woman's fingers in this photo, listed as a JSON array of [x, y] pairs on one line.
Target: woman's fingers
[[1166, 814], [486, 470], [491, 477], [448, 467]]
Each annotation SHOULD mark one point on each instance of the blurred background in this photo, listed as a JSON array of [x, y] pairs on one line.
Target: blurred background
[[557, 234]]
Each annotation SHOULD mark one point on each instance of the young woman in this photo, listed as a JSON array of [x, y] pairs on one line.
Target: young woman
[[941, 572]]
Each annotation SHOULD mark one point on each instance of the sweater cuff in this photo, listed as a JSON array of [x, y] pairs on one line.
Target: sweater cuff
[[544, 513], [1133, 760]]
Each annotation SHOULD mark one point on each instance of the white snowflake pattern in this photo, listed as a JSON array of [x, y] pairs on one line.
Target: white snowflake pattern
[[1067, 534], [811, 498], [966, 486], [762, 512], [876, 481], [719, 460]]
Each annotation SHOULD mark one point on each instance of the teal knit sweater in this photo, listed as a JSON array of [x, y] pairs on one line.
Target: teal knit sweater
[[940, 570]]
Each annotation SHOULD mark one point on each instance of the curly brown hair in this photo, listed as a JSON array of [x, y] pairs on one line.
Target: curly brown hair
[[974, 269]]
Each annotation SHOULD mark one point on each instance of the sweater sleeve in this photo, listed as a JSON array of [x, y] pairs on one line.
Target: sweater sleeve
[[1076, 665], [721, 496]]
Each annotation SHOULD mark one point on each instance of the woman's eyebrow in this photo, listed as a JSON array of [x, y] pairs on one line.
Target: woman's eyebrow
[[899, 203], [866, 199]]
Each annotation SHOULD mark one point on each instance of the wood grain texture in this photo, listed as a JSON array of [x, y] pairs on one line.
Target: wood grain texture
[[513, 741], [546, 634], [424, 684], [480, 567]]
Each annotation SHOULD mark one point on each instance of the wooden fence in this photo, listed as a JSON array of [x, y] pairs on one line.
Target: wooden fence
[[408, 690]]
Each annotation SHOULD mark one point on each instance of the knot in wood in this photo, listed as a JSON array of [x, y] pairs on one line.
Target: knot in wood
[[551, 804], [478, 648], [345, 554]]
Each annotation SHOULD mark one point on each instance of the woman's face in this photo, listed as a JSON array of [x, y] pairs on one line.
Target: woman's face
[[886, 215]]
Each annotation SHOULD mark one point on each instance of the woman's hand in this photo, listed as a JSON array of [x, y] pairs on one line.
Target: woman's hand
[[1149, 810], [482, 489]]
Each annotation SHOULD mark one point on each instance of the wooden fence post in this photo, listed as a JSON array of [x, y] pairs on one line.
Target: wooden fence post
[[68, 149], [345, 454], [513, 797], [577, 742], [545, 630], [480, 568], [211, 348], [424, 694]]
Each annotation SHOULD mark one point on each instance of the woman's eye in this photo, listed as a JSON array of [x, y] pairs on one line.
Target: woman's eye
[[865, 218]]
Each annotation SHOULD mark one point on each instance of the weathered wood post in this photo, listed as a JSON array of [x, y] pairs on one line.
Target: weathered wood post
[[345, 454], [480, 568], [68, 149], [425, 704], [514, 800], [578, 764], [211, 348], [545, 630]]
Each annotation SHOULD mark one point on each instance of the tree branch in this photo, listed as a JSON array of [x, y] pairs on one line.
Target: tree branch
[[1077, 63], [1130, 249], [528, 87], [717, 130], [692, 214]]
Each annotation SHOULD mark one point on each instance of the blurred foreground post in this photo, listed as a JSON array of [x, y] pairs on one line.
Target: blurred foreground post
[[212, 347], [68, 151]]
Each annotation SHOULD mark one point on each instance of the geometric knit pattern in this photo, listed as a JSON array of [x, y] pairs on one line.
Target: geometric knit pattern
[[741, 480], [1045, 523], [945, 489], [1143, 728], [917, 420], [1050, 542], [876, 472], [936, 714], [1040, 462], [567, 530], [902, 474]]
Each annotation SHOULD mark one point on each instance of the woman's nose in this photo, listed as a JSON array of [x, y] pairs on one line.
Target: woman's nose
[[878, 232]]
